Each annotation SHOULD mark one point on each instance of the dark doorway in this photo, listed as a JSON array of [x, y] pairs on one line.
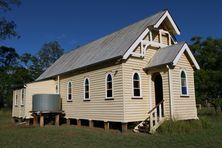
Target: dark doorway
[[158, 84]]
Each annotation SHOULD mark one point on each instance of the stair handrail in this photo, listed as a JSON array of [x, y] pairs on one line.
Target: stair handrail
[[155, 107], [150, 117]]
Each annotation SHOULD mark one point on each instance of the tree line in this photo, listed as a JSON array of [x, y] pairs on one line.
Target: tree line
[[17, 70], [208, 80]]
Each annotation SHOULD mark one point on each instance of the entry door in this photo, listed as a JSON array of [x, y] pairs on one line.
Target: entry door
[[158, 90]]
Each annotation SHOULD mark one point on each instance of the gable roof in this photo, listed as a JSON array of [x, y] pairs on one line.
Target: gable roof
[[111, 46], [170, 55]]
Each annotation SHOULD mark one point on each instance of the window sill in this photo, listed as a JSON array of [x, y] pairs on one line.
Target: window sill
[[22, 105], [69, 100], [134, 97], [109, 98], [86, 100], [184, 95], [16, 105]]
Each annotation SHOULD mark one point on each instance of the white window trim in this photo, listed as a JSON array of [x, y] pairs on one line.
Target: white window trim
[[16, 98], [22, 96], [85, 88], [141, 95], [67, 92], [181, 94], [106, 86]]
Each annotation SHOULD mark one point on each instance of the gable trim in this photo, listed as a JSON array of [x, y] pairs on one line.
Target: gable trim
[[139, 39], [167, 14], [186, 47]]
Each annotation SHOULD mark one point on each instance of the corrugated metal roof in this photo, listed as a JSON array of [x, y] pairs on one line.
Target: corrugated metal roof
[[165, 56], [108, 47]]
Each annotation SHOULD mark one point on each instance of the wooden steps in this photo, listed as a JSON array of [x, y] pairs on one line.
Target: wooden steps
[[153, 121]]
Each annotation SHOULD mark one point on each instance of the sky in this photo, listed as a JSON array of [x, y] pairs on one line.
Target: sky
[[76, 22]]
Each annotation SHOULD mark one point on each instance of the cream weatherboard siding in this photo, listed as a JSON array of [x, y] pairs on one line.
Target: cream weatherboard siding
[[22, 106], [184, 107], [136, 109], [19, 108], [42, 87], [14, 109], [123, 107], [16, 106], [98, 108], [165, 39]]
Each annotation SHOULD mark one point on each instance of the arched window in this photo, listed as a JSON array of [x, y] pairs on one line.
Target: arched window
[[183, 83], [86, 88], [136, 85], [109, 86], [69, 91], [16, 98], [22, 97]]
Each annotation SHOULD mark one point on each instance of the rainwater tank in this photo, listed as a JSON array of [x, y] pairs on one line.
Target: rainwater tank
[[46, 103]]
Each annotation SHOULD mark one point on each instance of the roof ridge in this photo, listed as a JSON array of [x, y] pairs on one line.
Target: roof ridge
[[118, 30], [110, 46]]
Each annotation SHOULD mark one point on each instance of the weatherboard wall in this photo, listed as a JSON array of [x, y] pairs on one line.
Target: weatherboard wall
[[16, 106], [98, 107], [184, 106], [41, 87], [136, 109]]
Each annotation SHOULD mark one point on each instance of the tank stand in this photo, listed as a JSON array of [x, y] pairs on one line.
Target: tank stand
[[41, 120], [41, 115]]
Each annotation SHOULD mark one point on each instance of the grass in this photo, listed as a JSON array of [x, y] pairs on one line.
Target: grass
[[204, 133], [183, 127]]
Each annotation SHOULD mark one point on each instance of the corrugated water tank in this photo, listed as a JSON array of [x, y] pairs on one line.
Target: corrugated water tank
[[46, 103]]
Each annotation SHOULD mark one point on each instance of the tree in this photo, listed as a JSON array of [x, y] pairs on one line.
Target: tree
[[8, 63], [31, 65], [208, 53], [8, 56], [7, 28], [48, 54], [16, 70]]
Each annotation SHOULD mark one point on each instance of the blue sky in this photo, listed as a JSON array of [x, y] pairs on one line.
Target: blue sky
[[77, 22]]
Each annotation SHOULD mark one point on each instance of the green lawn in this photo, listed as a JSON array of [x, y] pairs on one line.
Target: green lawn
[[64, 136]]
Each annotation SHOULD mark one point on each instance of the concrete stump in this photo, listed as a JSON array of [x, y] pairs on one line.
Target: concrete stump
[[41, 120], [91, 125], [106, 126], [57, 120], [124, 127]]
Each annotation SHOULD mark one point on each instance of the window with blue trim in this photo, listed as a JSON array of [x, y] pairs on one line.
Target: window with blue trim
[[183, 78]]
